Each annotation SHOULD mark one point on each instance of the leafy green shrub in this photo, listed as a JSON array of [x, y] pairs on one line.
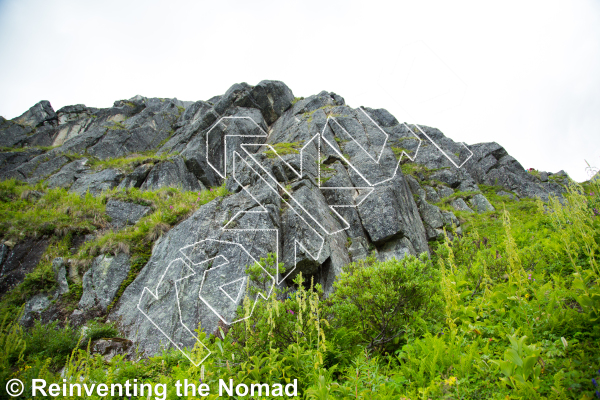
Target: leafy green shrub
[[288, 317], [50, 341], [98, 330], [12, 347], [379, 299]]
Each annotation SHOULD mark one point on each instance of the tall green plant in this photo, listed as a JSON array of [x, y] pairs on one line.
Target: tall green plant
[[381, 299]]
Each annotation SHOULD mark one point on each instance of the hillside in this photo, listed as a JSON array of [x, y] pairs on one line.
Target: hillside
[[304, 239]]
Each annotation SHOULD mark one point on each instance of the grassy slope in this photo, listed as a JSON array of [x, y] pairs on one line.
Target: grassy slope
[[519, 314], [60, 216]]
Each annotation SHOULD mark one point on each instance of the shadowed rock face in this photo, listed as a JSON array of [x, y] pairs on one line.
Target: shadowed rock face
[[18, 261], [340, 198]]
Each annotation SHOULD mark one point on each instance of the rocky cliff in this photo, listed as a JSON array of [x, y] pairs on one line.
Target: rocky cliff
[[311, 180]]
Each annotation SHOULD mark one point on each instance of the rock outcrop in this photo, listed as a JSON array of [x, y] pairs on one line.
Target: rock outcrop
[[312, 180]]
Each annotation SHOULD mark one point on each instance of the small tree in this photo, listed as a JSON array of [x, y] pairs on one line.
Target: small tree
[[378, 300]]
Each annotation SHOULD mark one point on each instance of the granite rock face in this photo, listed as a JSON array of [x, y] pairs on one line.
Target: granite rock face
[[481, 204], [460, 205], [19, 260], [60, 275], [33, 309], [171, 173], [123, 213], [103, 280], [96, 183], [313, 180]]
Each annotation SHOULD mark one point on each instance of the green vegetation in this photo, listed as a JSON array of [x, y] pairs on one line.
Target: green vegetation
[[297, 99], [381, 300], [415, 169], [446, 202], [59, 216], [26, 148], [399, 150], [117, 126], [324, 169], [340, 140], [509, 310], [56, 212], [283, 149], [127, 163], [328, 109]]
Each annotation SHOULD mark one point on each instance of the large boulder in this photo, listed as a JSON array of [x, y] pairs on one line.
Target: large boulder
[[162, 308], [68, 174], [481, 203], [33, 309], [460, 205], [98, 182], [124, 213], [137, 177], [172, 173]]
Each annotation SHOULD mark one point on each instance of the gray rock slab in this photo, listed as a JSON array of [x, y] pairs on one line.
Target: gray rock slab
[[12, 134], [137, 177], [97, 182], [481, 204], [19, 260], [68, 174], [33, 309], [171, 173], [103, 280], [60, 274], [167, 265], [445, 191], [460, 205], [391, 210], [124, 213], [431, 195], [37, 115]]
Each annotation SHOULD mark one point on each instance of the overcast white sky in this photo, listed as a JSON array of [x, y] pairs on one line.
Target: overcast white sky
[[523, 74]]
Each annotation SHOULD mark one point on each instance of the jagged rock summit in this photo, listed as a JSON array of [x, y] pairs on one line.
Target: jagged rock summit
[[312, 180]]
